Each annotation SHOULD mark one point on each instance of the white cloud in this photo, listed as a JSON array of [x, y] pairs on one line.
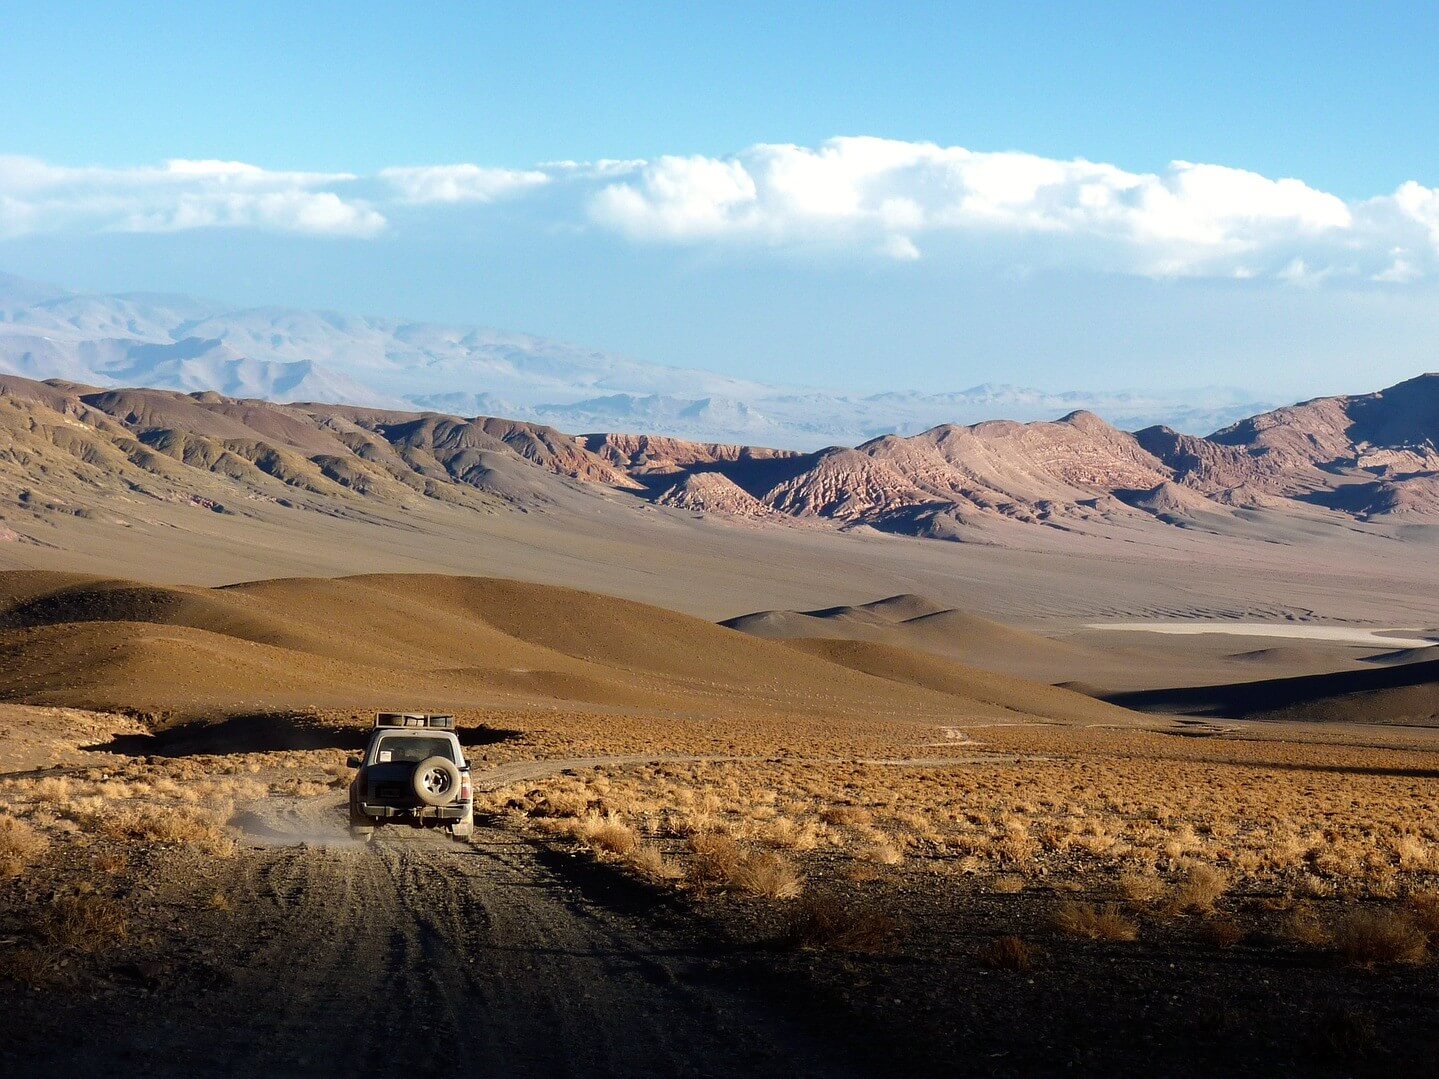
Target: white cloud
[[459, 183], [849, 197], [39, 197], [884, 195]]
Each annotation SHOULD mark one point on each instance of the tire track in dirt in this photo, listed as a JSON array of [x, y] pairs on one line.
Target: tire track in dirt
[[416, 954]]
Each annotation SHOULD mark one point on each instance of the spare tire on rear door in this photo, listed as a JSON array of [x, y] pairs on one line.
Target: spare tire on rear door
[[436, 781]]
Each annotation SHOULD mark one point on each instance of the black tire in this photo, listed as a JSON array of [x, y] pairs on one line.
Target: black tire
[[436, 781]]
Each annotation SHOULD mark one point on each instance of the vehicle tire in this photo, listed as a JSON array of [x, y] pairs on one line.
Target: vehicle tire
[[362, 833], [436, 781], [462, 831]]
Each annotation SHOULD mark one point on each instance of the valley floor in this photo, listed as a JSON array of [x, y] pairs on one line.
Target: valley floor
[[1031, 898]]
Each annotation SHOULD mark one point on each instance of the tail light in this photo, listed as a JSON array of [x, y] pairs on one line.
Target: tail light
[[465, 795]]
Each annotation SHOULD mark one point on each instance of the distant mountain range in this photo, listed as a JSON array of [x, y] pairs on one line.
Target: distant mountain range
[[1344, 465], [277, 354]]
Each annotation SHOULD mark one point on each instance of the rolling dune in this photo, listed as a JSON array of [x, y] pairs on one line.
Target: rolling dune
[[454, 642]]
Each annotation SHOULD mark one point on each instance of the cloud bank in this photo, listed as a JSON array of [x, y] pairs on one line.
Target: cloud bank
[[849, 197], [36, 197]]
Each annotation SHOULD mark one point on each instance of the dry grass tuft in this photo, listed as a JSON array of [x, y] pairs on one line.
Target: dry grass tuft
[[219, 901], [1424, 906], [1091, 922], [20, 844], [1380, 937], [1197, 893], [1007, 884], [715, 859], [1302, 926], [769, 875], [608, 833], [1221, 932], [1140, 887], [83, 923], [1348, 1033], [30, 967], [166, 824], [845, 816], [825, 922], [648, 862], [1008, 953], [882, 852]]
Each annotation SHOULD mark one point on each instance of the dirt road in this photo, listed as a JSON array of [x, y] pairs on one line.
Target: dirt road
[[420, 955]]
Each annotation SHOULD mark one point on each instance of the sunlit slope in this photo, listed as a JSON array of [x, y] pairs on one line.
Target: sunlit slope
[[1004, 697], [425, 640]]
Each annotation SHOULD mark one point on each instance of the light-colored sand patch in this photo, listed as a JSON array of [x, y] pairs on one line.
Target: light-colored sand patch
[[1336, 634]]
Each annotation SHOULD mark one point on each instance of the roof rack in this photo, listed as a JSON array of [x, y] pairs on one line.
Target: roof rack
[[434, 720]]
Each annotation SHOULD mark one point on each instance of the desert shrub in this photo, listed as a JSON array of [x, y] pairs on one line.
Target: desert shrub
[[1008, 953], [20, 844], [715, 858], [165, 824], [845, 816], [650, 863], [1091, 922], [83, 923], [608, 833], [1303, 926], [1424, 907], [1139, 887], [825, 922], [1373, 937], [1221, 932], [769, 876], [1201, 888], [1007, 884]]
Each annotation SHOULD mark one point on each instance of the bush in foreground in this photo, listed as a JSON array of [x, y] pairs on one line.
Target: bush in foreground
[[1092, 922], [825, 922]]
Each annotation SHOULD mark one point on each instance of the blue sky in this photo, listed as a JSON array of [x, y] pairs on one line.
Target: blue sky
[[1006, 209]]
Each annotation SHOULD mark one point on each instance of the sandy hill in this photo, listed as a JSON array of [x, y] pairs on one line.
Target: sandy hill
[[1007, 697], [917, 624], [436, 641]]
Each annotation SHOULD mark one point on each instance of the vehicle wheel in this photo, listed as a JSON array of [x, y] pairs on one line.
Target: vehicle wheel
[[362, 832], [436, 781], [462, 831]]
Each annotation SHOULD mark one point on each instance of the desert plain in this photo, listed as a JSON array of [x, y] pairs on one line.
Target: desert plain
[[1066, 780]]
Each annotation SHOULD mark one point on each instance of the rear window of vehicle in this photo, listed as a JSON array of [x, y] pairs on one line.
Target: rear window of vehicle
[[410, 749]]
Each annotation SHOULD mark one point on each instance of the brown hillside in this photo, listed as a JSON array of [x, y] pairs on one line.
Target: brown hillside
[[1004, 696], [428, 640]]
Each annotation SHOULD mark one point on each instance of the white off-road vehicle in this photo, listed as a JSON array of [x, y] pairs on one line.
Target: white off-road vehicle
[[413, 772]]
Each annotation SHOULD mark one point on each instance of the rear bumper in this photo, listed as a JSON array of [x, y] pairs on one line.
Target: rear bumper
[[457, 811]]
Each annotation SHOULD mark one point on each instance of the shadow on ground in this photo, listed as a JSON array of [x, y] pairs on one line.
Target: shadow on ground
[[263, 733]]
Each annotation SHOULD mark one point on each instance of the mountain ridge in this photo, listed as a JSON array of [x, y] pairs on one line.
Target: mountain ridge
[[65, 448], [286, 355]]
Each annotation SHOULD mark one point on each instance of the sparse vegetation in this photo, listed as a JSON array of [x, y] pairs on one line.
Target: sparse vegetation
[[768, 875], [1092, 922], [1380, 937], [83, 923], [828, 922], [1197, 893], [1008, 953], [20, 844]]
